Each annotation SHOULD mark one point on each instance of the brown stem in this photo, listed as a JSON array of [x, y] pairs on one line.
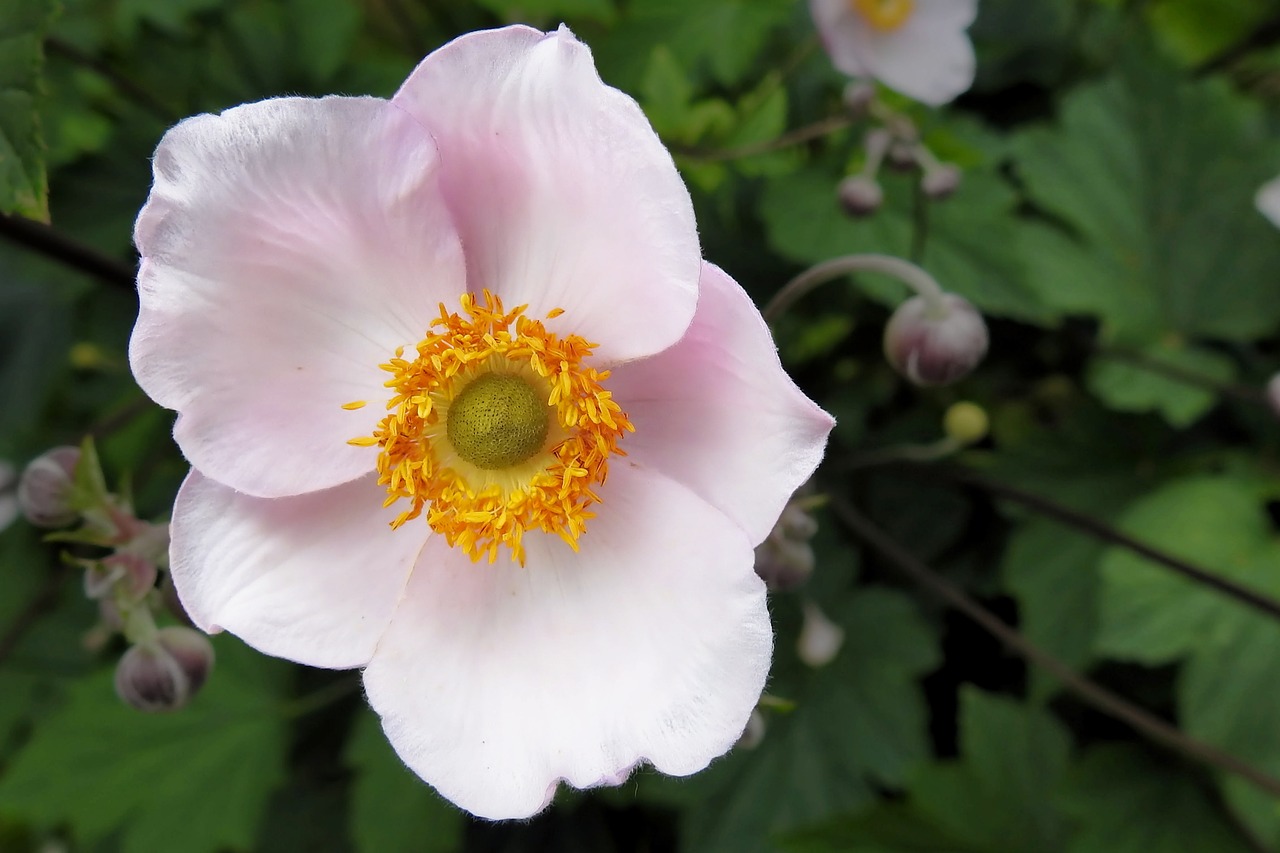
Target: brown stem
[[48, 241], [809, 132], [1095, 695]]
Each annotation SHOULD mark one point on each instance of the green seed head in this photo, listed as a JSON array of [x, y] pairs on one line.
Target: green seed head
[[499, 420]]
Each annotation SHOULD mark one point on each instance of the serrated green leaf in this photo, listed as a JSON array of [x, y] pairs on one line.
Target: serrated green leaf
[[24, 188], [860, 719], [1127, 801], [1166, 237], [995, 799], [1053, 571], [392, 810], [1129, 387], [1152, 615], [195, 781]]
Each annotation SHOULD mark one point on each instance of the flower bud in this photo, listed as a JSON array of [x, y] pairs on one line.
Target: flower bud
[[132, 574], [941, 181], [46, 488], [820, 638], [858, 95], [165, 672], [966, 423], [860, 195], [1273, 394], [935, 343], [903, 156], [8, 501], [783, 563]]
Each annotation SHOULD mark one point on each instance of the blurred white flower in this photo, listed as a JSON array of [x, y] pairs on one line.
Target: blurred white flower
[[916, 47], [1268, 200]]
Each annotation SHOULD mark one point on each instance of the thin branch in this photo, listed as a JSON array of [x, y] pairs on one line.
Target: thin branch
[[1181, 374], [1095, 695], [912, 275], [1264, 36], [817, 130], [48, 241], [41, 603], [1108, 534]]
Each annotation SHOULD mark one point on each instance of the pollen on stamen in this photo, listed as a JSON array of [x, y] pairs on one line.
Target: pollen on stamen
[[481, 511]]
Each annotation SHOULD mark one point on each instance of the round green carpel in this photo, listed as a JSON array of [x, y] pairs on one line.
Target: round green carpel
[[497, 421]]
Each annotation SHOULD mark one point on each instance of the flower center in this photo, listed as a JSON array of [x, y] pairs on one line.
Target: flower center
[[499, 420], [884, 14], [495, 427]]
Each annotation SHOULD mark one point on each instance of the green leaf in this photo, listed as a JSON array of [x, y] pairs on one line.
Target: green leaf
[[724, 37], [1165, 234], [195, 781], [1152, 615], [1129, 387], [1195, 31], [24, 189], [551, 12], [1053, 571], [995, 799], [392, 810], [860, 719], [1125, 800], [805, 224]]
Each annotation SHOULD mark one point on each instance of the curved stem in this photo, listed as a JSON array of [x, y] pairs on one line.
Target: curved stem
[[904, 271], [1090, 692]]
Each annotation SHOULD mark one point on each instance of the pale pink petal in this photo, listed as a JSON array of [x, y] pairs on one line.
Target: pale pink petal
[[1268, 201], [845, 35], [930, 58], [288, 247], [652, 644], [718, 413], [564, 195], [313, 578]]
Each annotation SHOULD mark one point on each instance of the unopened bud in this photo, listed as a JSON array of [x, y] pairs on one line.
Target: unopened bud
[[46, 488], [783, 563], [903, 156], [966, 423], [858, 95], [935, 342], [941, 181], [860, 195], [165, 672], [132, 574], [820, 638], [1273, 394]]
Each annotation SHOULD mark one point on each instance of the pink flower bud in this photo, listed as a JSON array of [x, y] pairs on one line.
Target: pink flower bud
[[1273, 394], [164, 673], [784, 564], [941, 181], [133, 574], [46, 487], [903, 156], [935, 344], [858, 95], [820, 638], [753, 734], [860, 195]]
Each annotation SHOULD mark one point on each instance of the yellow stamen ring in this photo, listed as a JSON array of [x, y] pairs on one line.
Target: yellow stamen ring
[[884, 15], [494, 428]]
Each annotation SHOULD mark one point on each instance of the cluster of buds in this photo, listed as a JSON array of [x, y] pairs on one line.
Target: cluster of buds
[[164, 667], [895, 141], [784, 560]]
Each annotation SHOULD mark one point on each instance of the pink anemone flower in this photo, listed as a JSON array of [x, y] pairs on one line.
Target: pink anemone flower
[[916, 47], [465, 408]]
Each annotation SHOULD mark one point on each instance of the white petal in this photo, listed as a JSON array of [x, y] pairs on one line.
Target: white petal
[[289, 247], [845, 35], [564, 195], [653, 643], [930, 58], [718, 413], [313, 578], [1268, 201]]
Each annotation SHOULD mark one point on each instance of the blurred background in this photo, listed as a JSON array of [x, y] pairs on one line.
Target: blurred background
[[1102, 510]]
